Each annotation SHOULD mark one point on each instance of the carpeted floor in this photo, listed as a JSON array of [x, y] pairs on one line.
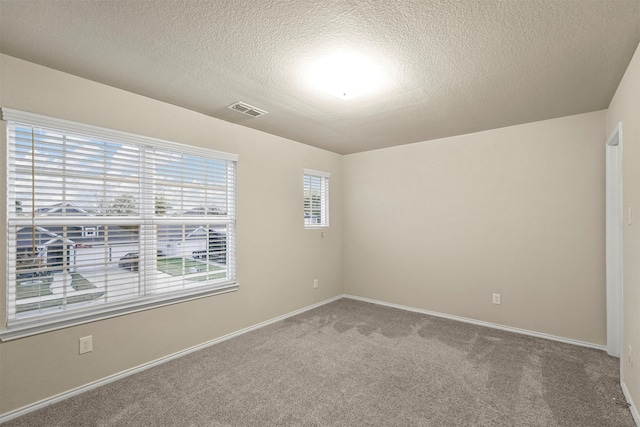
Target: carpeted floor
[[350, 363]]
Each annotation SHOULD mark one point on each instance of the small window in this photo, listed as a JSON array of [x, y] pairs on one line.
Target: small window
[[316, 198]]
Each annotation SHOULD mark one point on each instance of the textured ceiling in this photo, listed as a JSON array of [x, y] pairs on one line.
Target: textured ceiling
[[452, 67]]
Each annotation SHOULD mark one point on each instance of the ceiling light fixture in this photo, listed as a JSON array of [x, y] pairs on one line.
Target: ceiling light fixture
[[346, 75]]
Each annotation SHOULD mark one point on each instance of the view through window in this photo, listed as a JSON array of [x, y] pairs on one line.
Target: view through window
[[98, 218], [316, 198]]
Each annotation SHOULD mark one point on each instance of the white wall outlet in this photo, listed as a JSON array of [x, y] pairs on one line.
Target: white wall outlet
[[315, 283], [630, 356], [496, 298], [86, 344]]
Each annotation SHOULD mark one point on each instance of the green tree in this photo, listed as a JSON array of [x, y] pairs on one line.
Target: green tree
[[124, 204], [162, 206]]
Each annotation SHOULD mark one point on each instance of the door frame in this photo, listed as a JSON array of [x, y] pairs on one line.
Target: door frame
[[614, 247]]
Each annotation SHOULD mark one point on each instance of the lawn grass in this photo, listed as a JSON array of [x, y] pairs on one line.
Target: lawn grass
[[42, 288], [34, 287], [79, 283], [175, 266]]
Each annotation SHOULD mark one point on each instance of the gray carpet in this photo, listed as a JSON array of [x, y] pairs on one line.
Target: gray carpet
[[351, 363]]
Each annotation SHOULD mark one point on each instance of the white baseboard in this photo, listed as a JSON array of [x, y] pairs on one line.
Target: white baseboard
[[482, 323], [95, 384], [633, 407]]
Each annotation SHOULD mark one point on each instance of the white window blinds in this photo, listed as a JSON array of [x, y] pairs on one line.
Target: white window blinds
[[99, 220], [316, 198]]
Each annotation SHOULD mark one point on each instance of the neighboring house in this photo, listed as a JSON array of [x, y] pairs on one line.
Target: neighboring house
[[215, 249], [204, 210], [67, 208], [217, 244], [40, 246]]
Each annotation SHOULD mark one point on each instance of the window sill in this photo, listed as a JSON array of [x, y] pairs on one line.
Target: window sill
[[25, 328]]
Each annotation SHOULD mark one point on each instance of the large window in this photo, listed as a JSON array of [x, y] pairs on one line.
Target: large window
[[316, 198], [101, 222]]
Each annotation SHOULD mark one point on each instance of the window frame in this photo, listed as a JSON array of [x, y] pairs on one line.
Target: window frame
[[15, 327], [324, 178]]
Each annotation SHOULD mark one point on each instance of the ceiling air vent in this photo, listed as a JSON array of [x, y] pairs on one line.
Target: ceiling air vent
[[247, 109]]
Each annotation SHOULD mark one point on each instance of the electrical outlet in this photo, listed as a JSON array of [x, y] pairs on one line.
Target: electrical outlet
[[630, 356], [496, 298], [86, 344], [315, 283]]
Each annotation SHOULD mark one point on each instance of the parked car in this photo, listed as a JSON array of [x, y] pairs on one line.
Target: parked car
[[130, 261]]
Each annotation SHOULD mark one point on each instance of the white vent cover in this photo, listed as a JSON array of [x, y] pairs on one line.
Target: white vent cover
[[247, 109]]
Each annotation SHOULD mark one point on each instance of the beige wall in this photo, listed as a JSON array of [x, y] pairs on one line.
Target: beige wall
[[277, 258], [443, 224], [625, 108], [438, 225]]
